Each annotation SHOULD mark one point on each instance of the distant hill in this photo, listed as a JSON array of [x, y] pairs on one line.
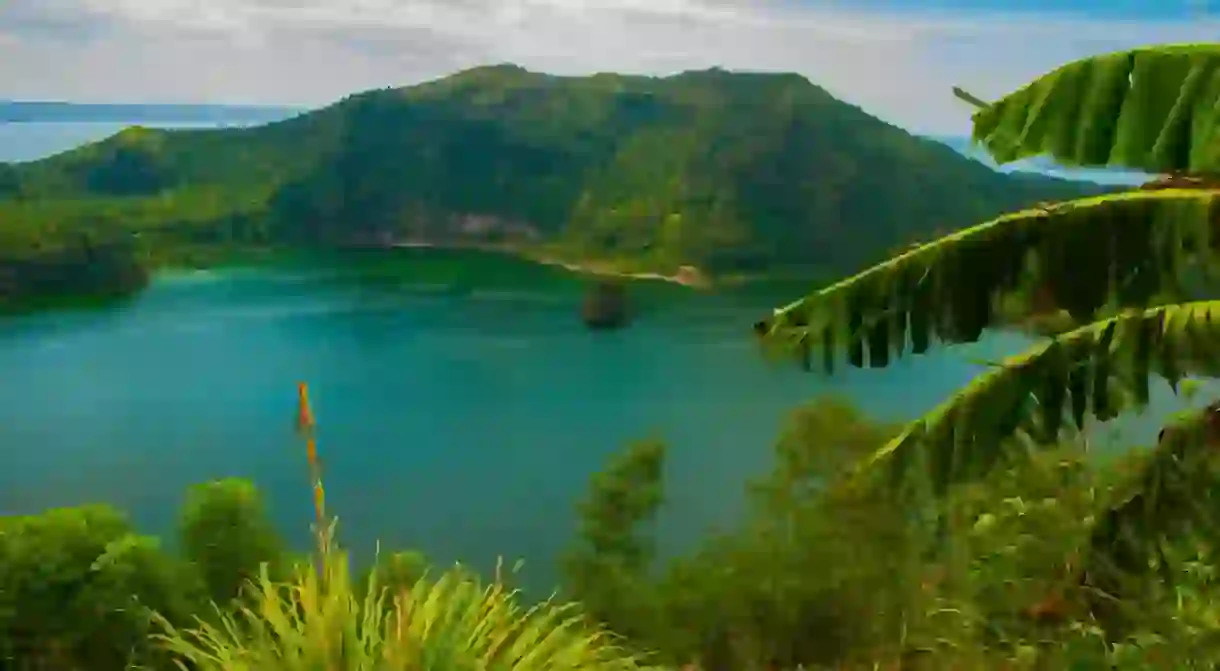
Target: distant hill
[[1044, 166], [12, 111], [731, 172]]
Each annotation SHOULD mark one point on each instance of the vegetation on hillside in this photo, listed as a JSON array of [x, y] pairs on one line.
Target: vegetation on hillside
[[733, 173]]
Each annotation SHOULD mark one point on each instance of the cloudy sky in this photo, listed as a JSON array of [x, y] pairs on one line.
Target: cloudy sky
[[895, 58]]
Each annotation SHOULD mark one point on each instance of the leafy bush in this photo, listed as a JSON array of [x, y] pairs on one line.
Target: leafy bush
[[226, 533], [77, 586]]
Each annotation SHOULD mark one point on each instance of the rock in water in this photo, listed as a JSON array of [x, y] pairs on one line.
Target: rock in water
[[605, 305]]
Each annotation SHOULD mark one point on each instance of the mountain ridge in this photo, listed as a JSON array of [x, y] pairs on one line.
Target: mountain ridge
[[734, 173]]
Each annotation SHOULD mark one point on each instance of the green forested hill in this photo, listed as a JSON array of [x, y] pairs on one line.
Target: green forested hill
[[729, 171]]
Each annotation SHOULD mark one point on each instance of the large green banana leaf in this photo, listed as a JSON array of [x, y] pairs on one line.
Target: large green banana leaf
[[1085, 255], [1173, 492], [1095, 371], [1155, 109]]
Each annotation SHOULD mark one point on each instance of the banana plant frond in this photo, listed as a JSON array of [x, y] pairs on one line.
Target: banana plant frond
[[1172, 492], [1155, 109], [1092, 372], [1118, 250]]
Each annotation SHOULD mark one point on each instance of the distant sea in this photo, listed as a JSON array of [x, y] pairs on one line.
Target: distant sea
[[1044, 166], [23, 111], [32, 140], [461, 405]]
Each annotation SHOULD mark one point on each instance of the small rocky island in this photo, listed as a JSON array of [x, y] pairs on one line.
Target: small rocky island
[[605, 305]]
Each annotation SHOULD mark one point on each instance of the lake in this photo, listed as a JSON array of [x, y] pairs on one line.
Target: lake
[[461, 404]]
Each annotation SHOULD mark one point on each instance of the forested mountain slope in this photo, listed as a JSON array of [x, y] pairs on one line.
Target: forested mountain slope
[[728, 171]]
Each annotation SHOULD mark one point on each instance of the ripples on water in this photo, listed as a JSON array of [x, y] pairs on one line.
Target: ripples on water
[[458, 414], [478, 407]]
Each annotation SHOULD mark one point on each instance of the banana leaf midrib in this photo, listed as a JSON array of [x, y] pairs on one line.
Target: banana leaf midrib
[[1030, 212]]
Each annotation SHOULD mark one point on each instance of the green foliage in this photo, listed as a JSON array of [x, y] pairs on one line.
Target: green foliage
[[825, 573], [1098, 371], [79, 268], [820, 572], [1165, 506], [1152, 109], [318, 621], [749, 597], [225, 531], [79, 589], [1142, 246], [76, 586], [1123, 546], [396, 571], [10, 181], [613, 554], [129, 171], [830, 574], [1171, 489]]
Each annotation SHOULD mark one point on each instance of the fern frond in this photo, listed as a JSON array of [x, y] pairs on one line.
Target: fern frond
[[1119, 249]]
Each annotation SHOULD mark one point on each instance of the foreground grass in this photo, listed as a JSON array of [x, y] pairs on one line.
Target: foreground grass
[[318, 621]]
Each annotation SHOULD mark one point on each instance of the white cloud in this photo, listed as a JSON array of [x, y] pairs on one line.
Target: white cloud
[[899, 67]]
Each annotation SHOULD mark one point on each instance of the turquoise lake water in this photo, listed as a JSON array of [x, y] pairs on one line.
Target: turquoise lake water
[[461, 404]]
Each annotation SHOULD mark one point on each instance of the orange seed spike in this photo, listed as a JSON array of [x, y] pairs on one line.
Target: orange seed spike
[[304, 412]]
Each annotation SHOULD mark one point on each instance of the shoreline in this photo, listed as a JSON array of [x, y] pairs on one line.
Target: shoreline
[[690, 277], [687, 276]]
